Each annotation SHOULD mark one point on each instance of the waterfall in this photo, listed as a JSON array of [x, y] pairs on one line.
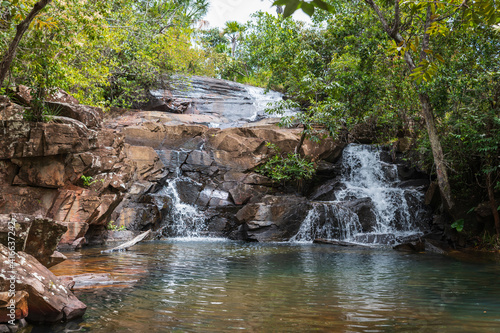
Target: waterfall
[[185, 220], [369, 207]]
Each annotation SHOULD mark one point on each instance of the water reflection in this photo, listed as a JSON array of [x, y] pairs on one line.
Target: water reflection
[[226, 286]]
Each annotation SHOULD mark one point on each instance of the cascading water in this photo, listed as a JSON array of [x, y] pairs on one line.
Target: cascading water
[[369, 207], [185, 220]]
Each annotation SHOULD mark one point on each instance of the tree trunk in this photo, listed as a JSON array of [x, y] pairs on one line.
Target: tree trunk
[[437, 153], [493, 203], [20, 30], [437, 150], [301, 141]]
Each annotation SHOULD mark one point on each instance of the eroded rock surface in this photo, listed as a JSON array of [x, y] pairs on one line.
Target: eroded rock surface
[[49, 300]]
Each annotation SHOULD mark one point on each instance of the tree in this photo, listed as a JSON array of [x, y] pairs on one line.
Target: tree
[[234, 30], [433, 16], [20, 30]]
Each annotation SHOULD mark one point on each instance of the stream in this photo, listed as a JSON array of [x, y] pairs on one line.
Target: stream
[[216, 285]]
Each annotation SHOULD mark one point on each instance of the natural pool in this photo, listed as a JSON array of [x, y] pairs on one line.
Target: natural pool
[[225, 286]]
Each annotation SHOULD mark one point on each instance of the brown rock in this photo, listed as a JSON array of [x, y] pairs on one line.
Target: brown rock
[[60, 96], [49, 300], [149, 166], [34, 235], [89, 115], [8, 171], [160, 136], [10, 111], [56, 258], [75, 231], [20, 309], [243, 193], [41, 171], [43, 237], [275, 218], [27, 199], [63, 135]]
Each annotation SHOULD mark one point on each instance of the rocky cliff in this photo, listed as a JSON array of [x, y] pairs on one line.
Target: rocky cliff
[[188, 159]]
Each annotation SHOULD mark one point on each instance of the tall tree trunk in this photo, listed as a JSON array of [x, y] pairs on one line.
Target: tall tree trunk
[[493, 203], [437, 153], [20, 30]]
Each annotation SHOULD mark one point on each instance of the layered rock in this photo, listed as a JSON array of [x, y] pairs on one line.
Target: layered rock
[[42, 166], [36, 236], [49, 300]]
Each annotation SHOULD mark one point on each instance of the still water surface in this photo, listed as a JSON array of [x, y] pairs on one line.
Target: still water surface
[[224, 286]]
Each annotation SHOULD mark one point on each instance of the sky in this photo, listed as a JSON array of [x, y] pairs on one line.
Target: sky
[[221, 11]]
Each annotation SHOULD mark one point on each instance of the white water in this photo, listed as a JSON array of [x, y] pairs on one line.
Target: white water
[[365, 176], [188, 221]]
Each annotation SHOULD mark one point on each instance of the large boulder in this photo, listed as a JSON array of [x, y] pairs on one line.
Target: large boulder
[[89, 115], [49, 300], [275, 218], [365, 210], [34, 235]]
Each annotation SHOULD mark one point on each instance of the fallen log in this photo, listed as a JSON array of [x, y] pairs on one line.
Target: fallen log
[[125, 246], [336, 242]]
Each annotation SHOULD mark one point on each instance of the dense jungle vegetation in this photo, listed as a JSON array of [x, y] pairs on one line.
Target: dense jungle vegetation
[[427, 72]]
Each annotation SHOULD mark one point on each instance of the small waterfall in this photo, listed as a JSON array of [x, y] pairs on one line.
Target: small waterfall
[[337, 222], [185, 220], [369, 207]]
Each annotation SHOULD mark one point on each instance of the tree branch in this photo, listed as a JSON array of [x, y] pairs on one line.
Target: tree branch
[[20, 30]]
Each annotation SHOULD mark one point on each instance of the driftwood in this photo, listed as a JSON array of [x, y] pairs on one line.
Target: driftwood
[[336, 242], [130, 243]]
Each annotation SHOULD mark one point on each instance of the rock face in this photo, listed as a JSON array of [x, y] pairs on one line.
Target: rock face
[[42, 164], [184, 164], [36, 236], [49, 300]]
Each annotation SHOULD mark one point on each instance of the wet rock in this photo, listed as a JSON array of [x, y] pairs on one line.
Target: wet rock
[[273, 219], [49, 300], [243, 193], [16, 312], [435, 246], [365, 133], [188, 190], [56, 258], [433, 196], [159, 136], [414, 183], [365, 210], [326, 191], [92, 280], [336, 242], [414, 246]]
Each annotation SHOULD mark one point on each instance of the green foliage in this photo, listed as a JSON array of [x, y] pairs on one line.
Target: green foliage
[[88, 180], [286, 167], [458, 225], [111, 226], [106, 53]]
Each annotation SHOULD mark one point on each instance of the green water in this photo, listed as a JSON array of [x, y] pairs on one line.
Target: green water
[[223, 286]]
